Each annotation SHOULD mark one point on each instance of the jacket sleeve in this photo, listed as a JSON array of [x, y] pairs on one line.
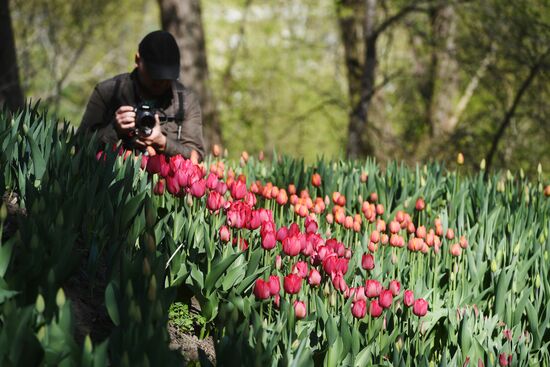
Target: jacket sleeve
[[191, 137], [98, 118]]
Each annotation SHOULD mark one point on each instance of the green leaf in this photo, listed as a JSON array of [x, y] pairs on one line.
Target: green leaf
[[39, 164], [111, 304], [217, 271], [5, 255]]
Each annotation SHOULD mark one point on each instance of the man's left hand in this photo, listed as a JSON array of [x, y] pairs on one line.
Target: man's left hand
[[156, 140]]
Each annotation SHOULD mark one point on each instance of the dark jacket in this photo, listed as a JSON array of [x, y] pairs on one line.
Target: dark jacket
[[100, 115]]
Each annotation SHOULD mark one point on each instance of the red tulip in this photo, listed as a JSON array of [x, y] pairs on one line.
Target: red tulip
[[314, 277], [261, 289], [274, 285], [420, 205], [375, 310], [367, 262], [268, 240], [504, 359], [292, 246], [212, 181], [238, 190], [214, 201], [339, 283], [420, 307], [299, 309], [172, 185], [311, 225], [159, 187], [372, 288], [386, 298], [154, 164], [224, 234], [282, 233], [316, 180], [408, 298], [292, 284], [359, 309]]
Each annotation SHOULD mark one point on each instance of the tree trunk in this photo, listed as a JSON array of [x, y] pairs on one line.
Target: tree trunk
[[183, 19], [445, 92], [11, 94]]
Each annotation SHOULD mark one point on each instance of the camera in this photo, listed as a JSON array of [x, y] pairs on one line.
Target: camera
[[145, 119]]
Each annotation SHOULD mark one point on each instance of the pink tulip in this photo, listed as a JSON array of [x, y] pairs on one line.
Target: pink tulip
[[395, 227], [408, 298], [278, 262], [372, 288], [420, 307], [299, 309], [274, 285], [282, 233], [261, 289], [198, 188], [212, 181], [314, 278], [395, 287], [456, 250], [300, 269], [386, 298], [375, 310], [238, 190], [292, 246], [450, 234], [504, 359], [292, 284], [224, 234], [367, 262], [359, 309]]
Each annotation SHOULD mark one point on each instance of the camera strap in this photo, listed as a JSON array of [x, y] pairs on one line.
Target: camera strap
[[180, 114]]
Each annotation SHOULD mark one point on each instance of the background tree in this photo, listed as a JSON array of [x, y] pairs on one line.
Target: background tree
[[184, 20], [11, 94]]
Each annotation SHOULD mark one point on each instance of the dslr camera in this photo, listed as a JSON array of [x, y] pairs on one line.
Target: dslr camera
[[145, 119]]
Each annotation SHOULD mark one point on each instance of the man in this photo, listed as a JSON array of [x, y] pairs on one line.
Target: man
[[177, 124]]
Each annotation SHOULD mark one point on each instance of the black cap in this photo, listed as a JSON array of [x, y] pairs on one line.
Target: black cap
[[161, 55]]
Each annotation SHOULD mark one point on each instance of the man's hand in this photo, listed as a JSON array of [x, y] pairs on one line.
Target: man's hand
[[125, 121], [156, 140]]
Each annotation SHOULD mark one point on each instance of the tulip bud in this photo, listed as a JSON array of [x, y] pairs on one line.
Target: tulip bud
[[40, 305], [547, 191], [494, 266], [146, 268], [482, 165], [3, 212], [216, 150], [460, 159], [60, 298], [300, 309], [152, 291]]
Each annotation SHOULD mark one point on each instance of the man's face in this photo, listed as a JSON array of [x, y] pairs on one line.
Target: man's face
[[156, 87]]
